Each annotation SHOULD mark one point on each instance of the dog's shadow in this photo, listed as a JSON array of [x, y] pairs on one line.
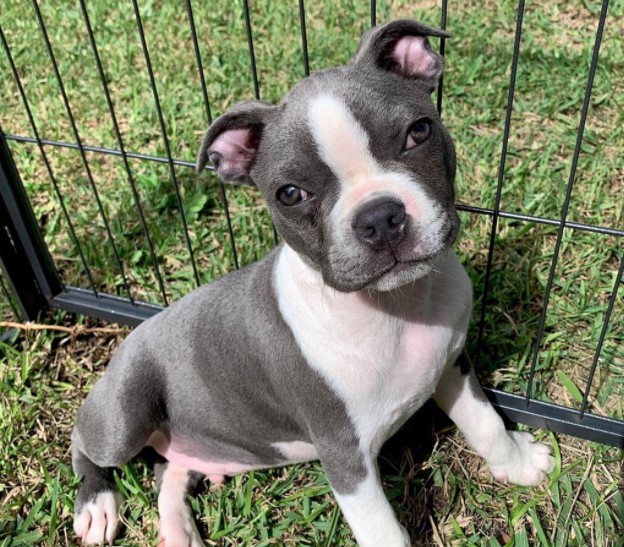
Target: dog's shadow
[[408, 469]]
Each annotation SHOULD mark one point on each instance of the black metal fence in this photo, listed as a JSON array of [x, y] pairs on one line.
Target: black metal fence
[[32, 281]]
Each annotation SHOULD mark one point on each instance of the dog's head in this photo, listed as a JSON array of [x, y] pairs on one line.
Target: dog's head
[[355, 164]]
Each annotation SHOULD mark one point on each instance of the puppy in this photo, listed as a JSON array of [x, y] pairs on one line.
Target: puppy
[[325, 347]]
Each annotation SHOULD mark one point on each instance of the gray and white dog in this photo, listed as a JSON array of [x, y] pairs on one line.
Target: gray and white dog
[[326, 346]]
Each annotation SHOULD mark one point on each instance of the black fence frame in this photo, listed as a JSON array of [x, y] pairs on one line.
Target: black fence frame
[[35, 284]]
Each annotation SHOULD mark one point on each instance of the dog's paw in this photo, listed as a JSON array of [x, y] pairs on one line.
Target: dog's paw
[[179, 530], [527, 462], [97, 521]]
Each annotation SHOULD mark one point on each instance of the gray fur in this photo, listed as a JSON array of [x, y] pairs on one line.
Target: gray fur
[[96, 480], [201, 369], [220, 368]]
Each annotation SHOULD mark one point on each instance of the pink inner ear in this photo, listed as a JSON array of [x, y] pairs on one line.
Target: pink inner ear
[[231, 152], [414, 58]]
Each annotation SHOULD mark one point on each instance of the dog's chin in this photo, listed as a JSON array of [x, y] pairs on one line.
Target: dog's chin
[[393, 276], [403, 273]]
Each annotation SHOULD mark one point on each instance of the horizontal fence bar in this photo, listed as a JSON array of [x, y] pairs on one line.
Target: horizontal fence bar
[[557, 418], [606, 230], [102, 150], [105, 306], [513, 407], [536, 413]]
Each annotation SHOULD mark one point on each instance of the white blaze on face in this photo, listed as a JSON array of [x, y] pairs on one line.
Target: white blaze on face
[[341, 141], [343, 144]]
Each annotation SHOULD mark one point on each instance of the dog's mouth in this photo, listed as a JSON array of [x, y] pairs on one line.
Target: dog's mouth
[[402, 266], [399, 263], [392, 267], [403, 269]]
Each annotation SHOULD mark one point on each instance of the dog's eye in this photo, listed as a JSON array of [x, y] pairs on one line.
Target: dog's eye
[[291, 195], [417, 133]]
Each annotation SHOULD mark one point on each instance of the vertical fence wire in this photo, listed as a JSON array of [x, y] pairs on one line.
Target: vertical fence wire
[[566, 203], [373, 13], [443, 15], [603, 333], [122, 149], [501, 176], [202, 79], [163, 130], [83, 156], [46, 161], [254, 73], [250, 45], [304, 38]]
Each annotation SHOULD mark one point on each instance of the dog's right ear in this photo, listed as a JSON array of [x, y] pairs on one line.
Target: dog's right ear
[[402, 47], [232, 141]]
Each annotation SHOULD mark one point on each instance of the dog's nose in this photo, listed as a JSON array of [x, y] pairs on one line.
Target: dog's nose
[[381, 225]]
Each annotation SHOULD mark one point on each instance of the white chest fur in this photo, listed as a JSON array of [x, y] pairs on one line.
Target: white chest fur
[[382, 353]]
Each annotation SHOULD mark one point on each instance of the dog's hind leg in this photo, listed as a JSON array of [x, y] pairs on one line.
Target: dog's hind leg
[[112, 427], [177, 525], [96, 513], [94, 456]]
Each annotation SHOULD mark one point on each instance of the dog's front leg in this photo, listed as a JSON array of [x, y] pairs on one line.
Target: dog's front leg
[[360, 494], [512, 456], [177, 526]]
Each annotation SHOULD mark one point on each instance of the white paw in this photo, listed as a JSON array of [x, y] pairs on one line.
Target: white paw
[[98, 521], [526, 462], [179, 530]]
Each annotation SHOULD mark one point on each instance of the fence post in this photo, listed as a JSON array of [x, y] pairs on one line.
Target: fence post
[[24, 257]]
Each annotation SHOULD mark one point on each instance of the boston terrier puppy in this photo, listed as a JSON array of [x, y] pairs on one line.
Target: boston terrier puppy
[[324, 348]]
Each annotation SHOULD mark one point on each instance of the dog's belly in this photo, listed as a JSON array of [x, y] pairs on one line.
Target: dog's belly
[[175, 452]]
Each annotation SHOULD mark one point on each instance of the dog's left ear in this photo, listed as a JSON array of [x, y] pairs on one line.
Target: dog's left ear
[[232, 141], [402, 47]]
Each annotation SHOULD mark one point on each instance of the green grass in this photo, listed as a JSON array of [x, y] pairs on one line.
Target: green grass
[[441, 491], [43, 379]]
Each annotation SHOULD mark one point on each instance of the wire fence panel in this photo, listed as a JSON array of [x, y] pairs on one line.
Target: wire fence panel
[[103, 108]]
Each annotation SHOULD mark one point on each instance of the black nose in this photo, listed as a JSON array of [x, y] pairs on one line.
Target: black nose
[[381, 225]]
